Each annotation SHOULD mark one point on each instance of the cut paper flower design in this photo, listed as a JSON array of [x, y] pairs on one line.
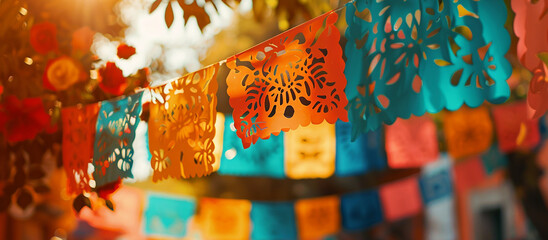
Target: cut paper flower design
[[182, 126], [115, 132], [411, 142], [225, 218], [78, 136], [468, 131], [318, 217], [422, 56], [310, 152], [289, 81]]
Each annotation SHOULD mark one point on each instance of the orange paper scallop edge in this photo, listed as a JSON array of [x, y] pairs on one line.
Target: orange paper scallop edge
[[291, 80], [182, 126]]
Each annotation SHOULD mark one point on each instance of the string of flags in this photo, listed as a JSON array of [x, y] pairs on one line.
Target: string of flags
[[298, 81], [317, 151], [433, 191]]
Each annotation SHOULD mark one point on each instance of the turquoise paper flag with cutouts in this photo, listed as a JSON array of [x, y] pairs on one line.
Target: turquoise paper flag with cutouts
[[273, 220], [167, 216], [410, 57], [115, 132], [262, 159]]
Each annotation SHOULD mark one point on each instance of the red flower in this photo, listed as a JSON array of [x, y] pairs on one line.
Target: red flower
[[82, 39], [1, 90], [22, 120], [125, 51], [112, 80], [61, 73], [43, 37]]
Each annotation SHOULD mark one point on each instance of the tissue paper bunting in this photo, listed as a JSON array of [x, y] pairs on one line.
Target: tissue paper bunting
[[358, 157], [493, 160], [411, 142], [401, 199], [167, 216], [265, 158], [78, 136], [436, 183], [318, 217], [310, 152], [115, 132], [412, 57], [467, 131], [531, 28], [468, 174], [182, 126], [291, 80], [513, 128], [361, 210], [225, 218], [537, 95], [273, 220]]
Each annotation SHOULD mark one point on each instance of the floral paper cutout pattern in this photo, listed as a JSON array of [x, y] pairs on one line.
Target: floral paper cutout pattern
[[78, 136], [310, 152], [513, 128], [468, 131], [411, 142], [182, 126], [422, 56], [115, 132], [318, 217], [225, 218], [289, 81]]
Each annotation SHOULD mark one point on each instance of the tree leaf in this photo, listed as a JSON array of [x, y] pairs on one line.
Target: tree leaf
[[169, 15], [198, 12], [155, 5]]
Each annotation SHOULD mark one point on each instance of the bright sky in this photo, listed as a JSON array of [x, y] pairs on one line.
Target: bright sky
[[179, 47]]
